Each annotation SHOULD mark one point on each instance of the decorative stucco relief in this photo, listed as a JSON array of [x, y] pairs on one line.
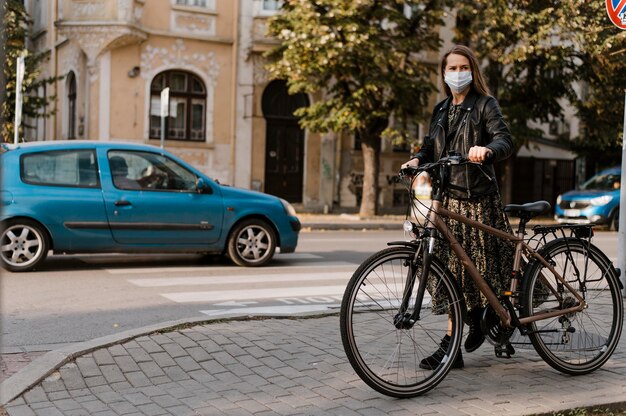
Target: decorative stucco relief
[[154, 59], [83, 9], [261, 75], [125, 10], [71, 61], [94, 39], [259, 29], [192, 23]]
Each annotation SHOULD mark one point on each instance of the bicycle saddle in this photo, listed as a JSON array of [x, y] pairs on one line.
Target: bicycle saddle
[[529, 210]]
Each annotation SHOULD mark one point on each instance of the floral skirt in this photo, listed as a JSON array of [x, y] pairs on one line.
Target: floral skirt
[[492, 256]]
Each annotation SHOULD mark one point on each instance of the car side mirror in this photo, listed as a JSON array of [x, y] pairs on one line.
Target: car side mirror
[[202, 187]]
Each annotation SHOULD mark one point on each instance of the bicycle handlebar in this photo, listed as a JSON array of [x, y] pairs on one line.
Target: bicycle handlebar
[[450, 160]]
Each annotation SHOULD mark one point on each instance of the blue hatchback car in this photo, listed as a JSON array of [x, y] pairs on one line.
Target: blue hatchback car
[[104, 197], [596, 202]]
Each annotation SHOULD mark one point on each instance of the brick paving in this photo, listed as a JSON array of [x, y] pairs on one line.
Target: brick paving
[[14, 362], [294, 367]]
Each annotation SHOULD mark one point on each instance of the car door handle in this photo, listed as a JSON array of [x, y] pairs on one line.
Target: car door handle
[[122, 203]]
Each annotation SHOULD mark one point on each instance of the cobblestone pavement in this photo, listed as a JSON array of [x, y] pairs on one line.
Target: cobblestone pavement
[[294, 367]]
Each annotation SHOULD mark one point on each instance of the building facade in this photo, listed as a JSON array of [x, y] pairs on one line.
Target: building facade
[[226, 116]]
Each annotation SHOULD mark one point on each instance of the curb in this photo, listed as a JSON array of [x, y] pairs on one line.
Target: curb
[[43, 366]]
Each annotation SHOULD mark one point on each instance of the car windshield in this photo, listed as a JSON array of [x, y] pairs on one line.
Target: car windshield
[[602, 182]]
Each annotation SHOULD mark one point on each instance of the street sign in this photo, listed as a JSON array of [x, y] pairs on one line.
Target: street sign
[[165, 106], [165, 102]]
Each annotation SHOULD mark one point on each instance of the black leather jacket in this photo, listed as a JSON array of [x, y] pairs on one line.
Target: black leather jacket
[[481, 124]]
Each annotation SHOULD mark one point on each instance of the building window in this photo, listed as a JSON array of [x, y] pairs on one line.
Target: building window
[[194, 3], [187, 108], [272, 5], [71, 105]]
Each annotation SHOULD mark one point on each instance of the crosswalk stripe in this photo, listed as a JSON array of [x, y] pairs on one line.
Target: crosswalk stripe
[[239, 279], [272, 310], [220, 269], [272, 293]]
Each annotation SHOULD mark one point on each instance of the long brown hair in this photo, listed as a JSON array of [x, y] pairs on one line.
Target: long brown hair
[[478, 81]]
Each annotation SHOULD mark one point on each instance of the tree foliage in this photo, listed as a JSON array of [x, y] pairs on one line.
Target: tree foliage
[[543, 54], [16, 23], [367, 60]]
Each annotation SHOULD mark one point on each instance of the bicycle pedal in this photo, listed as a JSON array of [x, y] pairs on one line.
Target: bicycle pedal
[[504, 351]]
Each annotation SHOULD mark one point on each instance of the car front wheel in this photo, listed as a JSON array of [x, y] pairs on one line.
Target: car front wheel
[[23, 244], [252, 243]]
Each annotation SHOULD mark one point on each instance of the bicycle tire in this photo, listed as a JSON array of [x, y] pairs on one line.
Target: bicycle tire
[[594, 332], [387, 358]]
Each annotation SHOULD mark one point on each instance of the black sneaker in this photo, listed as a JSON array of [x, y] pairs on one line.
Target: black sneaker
[[431, 362], [475, 337]]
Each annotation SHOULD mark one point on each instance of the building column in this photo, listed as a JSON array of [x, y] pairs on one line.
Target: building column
[[104, 96]]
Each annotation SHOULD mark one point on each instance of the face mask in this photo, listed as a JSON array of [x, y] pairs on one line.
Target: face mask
[[457, 81]]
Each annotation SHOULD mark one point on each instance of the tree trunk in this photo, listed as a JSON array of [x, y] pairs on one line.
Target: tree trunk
[[370, 146]]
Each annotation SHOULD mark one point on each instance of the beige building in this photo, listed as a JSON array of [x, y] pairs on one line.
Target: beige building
[[225, 115]]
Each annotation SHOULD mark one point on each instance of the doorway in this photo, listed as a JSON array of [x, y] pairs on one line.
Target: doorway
[[284, 149]]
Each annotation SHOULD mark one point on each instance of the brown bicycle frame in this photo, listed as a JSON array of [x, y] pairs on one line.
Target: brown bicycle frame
[[437, 211]]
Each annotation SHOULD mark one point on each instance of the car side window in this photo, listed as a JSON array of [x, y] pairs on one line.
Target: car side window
[[74, 168], [135, 170]]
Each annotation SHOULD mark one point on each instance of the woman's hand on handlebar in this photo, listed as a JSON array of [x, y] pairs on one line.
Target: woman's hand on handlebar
[[413, 163], [409, 168], [479, 154]]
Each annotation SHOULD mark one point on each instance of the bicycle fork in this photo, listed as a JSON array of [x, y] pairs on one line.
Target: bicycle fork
[[405, 319]]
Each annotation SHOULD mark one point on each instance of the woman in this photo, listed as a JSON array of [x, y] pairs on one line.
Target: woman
[[469, 121]]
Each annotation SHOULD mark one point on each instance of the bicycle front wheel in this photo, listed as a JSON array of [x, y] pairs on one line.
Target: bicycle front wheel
[[580, 342], [388, 358]]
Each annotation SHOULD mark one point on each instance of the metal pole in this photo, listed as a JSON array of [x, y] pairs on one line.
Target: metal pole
[[162, 131], [621, 236], [19, 78]]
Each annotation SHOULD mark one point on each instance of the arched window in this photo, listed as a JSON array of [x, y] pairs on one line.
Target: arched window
[[71, 105], [187, 109]]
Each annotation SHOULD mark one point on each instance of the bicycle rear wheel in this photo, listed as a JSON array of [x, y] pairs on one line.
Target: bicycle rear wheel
[[580, 342], [385, 357]]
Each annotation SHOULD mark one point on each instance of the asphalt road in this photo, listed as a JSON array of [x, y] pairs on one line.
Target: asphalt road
[[78, 298]]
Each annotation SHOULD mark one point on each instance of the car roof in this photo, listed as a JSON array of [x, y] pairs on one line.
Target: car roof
[[614, 169], [77, 144]]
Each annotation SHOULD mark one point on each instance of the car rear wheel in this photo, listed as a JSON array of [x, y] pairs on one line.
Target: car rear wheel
[[252, 243], [24, 245]]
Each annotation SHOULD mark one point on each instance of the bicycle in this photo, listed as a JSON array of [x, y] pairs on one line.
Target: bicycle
[[564, 296]]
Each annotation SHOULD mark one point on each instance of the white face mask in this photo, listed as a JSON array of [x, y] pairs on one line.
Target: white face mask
[[457, 81]]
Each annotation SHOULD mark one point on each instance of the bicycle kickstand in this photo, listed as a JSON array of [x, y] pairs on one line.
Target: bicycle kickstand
[[504, 350]]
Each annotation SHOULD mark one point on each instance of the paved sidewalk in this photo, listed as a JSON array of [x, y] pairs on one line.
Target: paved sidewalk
[[282, 366], [277, 366]]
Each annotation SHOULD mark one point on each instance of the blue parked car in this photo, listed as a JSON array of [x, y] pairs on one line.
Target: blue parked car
[[104, 197], [596, 202]]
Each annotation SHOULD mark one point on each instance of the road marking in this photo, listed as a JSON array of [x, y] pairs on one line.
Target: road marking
[[235, 303], [220, 269], [238, 279], [315, 294], [227, 295], [271, 310]]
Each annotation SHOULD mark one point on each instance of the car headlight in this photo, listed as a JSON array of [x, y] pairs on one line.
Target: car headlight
[[601, 200], [289, 209]]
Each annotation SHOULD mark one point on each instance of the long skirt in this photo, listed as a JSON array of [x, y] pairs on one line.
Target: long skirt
[[492, 256]]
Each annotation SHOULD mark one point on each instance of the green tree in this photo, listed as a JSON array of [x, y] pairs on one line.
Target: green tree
[[365, 59], [602, 74], [16, 23], [541, 54], [529, 63]]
